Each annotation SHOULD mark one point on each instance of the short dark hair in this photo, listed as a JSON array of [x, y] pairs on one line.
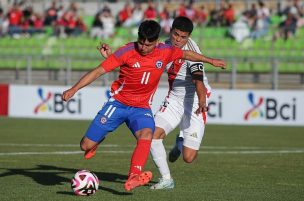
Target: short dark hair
[[149, 30], [183, 24]]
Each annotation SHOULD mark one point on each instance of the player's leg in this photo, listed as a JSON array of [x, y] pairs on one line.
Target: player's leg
[[193, 132], [176, 151], [142, 125], [166, 119], [108, 119]]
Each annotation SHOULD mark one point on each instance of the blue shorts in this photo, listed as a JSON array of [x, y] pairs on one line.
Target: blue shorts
[[113, 114]]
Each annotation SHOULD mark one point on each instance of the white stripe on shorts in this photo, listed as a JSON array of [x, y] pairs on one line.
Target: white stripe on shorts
[[114, 108], [108, 110]]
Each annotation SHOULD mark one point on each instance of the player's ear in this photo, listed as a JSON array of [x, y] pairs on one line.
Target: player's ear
[[157, 42]]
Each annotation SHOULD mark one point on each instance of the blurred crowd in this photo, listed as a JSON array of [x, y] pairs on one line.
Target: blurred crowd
[[22, 20], [255, 22]]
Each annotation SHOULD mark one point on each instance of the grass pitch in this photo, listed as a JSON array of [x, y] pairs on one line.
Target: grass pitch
[[38, 158]]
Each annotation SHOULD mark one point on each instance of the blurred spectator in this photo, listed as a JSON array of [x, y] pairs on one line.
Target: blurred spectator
[[228, 15], [15, 17], [150, 13], [36, 24], [166, 21], [3, 23], [217, 16], [108, 23], [300, 10], [136, 17], [190, 12], [51, 15], [288, 27], [181, 11], [261, 22], [202, 16], [240, 29], [70, 24], [124, 14], [97, 26]]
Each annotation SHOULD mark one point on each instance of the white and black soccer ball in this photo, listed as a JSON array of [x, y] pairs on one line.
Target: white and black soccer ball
[[85, 182]]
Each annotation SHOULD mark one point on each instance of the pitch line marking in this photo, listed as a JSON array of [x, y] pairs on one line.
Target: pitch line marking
[[299, 151], [168, 146]]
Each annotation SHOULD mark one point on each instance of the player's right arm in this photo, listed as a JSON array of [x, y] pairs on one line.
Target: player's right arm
[[104, 49], [107, 65], [193, 56], [84, 81]]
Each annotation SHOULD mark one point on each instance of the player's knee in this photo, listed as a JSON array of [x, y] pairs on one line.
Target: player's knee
[[159, 133], [145, 133], [189, 157]]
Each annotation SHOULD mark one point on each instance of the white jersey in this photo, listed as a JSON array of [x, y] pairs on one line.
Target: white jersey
[[179, 106], [179, 77]]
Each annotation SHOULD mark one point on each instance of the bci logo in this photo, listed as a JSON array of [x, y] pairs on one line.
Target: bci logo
[[270, 108], [52, 102], [262, 107]]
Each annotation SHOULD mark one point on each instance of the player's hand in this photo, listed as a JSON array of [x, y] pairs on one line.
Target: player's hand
[[66, 95], [202, 107], [219, 63], [104, 49]]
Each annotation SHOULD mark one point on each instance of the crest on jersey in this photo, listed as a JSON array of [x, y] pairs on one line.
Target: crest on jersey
[[103, 120], [159, 64]]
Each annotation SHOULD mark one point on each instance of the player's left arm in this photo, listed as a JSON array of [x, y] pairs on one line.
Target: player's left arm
[[193, 56], [197, 73], [201, 93]]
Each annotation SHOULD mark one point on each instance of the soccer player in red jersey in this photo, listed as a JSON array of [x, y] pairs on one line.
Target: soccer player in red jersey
[[141, 65]]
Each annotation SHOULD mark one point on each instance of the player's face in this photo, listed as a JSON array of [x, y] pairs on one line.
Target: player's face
[[145, 47], [179, 38]]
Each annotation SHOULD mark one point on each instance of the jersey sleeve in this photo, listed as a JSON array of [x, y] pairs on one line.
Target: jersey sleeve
[[176, 53], [193, 47], [111, 63]]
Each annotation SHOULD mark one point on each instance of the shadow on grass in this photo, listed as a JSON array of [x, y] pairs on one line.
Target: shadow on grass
[[50, 175]]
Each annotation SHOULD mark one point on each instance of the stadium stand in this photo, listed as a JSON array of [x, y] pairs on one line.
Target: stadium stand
[[47, 52]]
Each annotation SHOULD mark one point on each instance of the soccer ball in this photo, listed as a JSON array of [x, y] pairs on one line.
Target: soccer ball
[[85, 182]]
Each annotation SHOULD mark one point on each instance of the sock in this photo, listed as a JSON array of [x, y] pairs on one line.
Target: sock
[[159, 156], [140, 156], [179, 143]]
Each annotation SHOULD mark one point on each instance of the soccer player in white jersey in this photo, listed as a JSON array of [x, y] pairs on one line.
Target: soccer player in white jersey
[[185, 105]]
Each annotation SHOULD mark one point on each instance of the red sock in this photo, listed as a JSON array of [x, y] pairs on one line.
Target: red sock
[[140, 156]]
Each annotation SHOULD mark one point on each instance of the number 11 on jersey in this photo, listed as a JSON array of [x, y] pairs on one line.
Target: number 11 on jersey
[[145, 78]]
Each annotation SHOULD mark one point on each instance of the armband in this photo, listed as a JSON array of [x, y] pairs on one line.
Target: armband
[[198, 77], [197, 67]]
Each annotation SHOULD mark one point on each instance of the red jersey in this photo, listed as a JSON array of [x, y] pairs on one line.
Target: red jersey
[[139, 75]]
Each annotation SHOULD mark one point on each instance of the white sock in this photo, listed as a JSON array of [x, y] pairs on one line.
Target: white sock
[[159, 156]]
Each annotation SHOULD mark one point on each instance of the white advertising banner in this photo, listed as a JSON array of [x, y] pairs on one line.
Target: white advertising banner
[[257, 107], [246, 107], [45, 102]]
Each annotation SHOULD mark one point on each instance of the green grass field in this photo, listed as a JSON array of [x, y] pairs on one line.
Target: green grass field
[[39, 157]]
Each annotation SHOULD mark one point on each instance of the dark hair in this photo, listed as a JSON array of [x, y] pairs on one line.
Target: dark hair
[[149, 30], [183, 24]]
